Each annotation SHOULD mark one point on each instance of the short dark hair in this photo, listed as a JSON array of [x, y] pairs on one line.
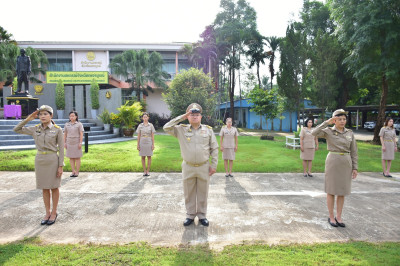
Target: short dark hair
[[146, 113], [75, 113], [387, 121], [308, 119]]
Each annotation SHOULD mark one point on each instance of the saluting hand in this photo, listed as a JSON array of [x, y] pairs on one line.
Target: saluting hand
[[186, 115], [354, 175], [33, 116], [332, 120]]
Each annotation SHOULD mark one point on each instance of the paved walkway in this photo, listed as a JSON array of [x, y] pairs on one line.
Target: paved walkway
[[126, 207]]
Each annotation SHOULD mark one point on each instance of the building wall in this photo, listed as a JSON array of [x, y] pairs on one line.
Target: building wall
[[254, 118], [156, 104]]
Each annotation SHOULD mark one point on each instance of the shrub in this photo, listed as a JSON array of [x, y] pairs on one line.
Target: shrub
[[115, 120], [60, 95], [94, 94], [130, 114], [105, 116], [157, 120]]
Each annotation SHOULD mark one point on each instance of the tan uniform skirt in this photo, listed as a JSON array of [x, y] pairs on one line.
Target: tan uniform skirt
[[46, 166], [73, 150], [338, 171], [389, 153], [308, 154], [145, 146], [228, 154]]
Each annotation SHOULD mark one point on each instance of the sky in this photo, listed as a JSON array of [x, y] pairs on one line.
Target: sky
[[131, 21]]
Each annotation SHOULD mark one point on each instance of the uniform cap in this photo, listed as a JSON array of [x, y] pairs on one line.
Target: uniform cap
[[46, 108], [339, 112], [194, 108]]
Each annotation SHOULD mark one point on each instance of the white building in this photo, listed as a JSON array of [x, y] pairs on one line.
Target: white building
[[94, 56]]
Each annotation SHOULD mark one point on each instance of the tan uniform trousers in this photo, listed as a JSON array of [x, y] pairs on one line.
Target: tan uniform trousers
[[195, 189]]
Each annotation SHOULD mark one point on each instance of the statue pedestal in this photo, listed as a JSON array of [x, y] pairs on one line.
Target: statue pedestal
[[27, 102]]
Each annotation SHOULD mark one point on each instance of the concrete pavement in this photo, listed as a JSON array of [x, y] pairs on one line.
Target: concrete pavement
[[127, 207]]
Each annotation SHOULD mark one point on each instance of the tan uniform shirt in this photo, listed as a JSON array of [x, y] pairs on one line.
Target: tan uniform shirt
[[197, 145], [308, 138], [145, 130], [342, 142], [73, 130], [388, 134], [49, 139], [229, 137]]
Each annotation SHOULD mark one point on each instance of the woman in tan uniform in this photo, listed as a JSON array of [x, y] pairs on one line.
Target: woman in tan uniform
[[145, 142], [308, 146], [341, 163], [229, 145], [48, 165], [73, 136], [388, 140]]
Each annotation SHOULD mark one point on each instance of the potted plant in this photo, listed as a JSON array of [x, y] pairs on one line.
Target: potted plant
[[105, 118], [94, 96], [60, 99], [130, 117], [116, 122]]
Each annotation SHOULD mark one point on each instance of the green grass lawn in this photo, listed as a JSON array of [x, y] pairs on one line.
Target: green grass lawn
[[33, 252], [254, 155]]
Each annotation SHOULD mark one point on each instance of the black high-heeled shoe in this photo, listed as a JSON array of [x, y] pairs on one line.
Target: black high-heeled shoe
[[50, 222], [43, 222]]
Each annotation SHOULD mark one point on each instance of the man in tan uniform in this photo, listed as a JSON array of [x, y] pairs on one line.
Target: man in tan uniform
[[197, 144]]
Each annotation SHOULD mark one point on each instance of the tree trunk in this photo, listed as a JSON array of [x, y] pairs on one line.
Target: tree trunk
[[231, 94], [290, 121], [280, 122], [258, 75], [382, 110], [272, 124]]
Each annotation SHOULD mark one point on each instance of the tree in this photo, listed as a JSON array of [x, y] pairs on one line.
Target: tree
[[264, 103], [324, 81], [191, 86], [293, 69], [256, 53], [273, 42], [370, 31], [233, 26], [140, 69], [6, 37]]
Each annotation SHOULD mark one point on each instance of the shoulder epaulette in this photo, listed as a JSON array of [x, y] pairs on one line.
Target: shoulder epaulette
[[56, 126], [37, 125], [184, 125], [208, 126]]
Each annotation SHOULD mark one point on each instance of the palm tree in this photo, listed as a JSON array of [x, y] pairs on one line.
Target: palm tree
[[140, 68], [256, 53], [273, 42]]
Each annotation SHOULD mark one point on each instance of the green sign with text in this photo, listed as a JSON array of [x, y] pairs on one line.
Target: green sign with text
[[77, 77]]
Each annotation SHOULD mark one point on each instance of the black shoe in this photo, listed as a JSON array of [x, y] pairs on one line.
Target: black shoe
[[305, 175], [310, 175], [230, 175], [50, 222], [43, 222], [384, 175], [72, 175], [144, 174], [188, 222], [204, 222], [340, 224], [333, 224], [389, 176], [227, 175]]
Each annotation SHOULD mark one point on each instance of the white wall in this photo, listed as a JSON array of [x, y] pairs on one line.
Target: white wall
[[156, 104]]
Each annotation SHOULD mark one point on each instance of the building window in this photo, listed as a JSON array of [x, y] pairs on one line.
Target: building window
[[59, 60]]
